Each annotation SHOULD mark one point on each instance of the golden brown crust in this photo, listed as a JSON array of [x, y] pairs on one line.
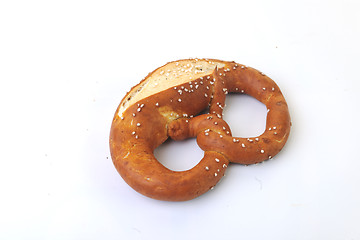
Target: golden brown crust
[[141, 127]]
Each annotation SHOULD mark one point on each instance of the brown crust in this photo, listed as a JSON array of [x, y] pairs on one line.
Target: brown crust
[[149, 122]]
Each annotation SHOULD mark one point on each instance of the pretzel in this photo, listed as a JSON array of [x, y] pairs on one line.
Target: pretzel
[[167, 103]]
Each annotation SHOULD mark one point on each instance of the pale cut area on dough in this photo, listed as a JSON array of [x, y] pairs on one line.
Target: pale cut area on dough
[[169, 76]]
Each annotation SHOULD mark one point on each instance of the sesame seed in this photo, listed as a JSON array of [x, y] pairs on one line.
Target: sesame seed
[[273, 89], [205, 95], [206, 134], [157, 104], [215, 174], [136, 136], [262, 151], [264, 89], [138, 124], [215, 123], [134, 114], [179, 100], [133, 133], [274, 128], [221, 136], [234, 140], [217, 160], [139, 109], [122, 118], [224, 165], [243, 145], [218, 170], [207, 168]]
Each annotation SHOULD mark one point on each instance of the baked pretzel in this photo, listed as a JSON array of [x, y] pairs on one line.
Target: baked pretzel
[[165, 104]]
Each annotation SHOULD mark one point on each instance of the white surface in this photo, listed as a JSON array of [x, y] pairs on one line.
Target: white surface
[[65, 65]]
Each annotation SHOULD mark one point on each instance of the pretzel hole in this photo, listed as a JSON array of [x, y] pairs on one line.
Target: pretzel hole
[[245, 115], [179, 155]]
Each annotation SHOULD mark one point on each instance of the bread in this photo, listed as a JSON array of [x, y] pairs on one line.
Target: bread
[[166, 104]]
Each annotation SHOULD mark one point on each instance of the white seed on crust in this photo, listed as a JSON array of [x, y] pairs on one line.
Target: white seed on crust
[[217, 160], [207, 168], [138, 124], [157, 104], [262, 151]]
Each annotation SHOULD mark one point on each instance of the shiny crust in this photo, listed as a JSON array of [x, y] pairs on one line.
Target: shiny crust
[[137, 130]]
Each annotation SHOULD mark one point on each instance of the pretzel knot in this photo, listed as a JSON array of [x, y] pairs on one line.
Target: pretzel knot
[[163, 105]]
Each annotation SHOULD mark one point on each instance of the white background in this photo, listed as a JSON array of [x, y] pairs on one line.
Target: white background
[[65, 66]]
